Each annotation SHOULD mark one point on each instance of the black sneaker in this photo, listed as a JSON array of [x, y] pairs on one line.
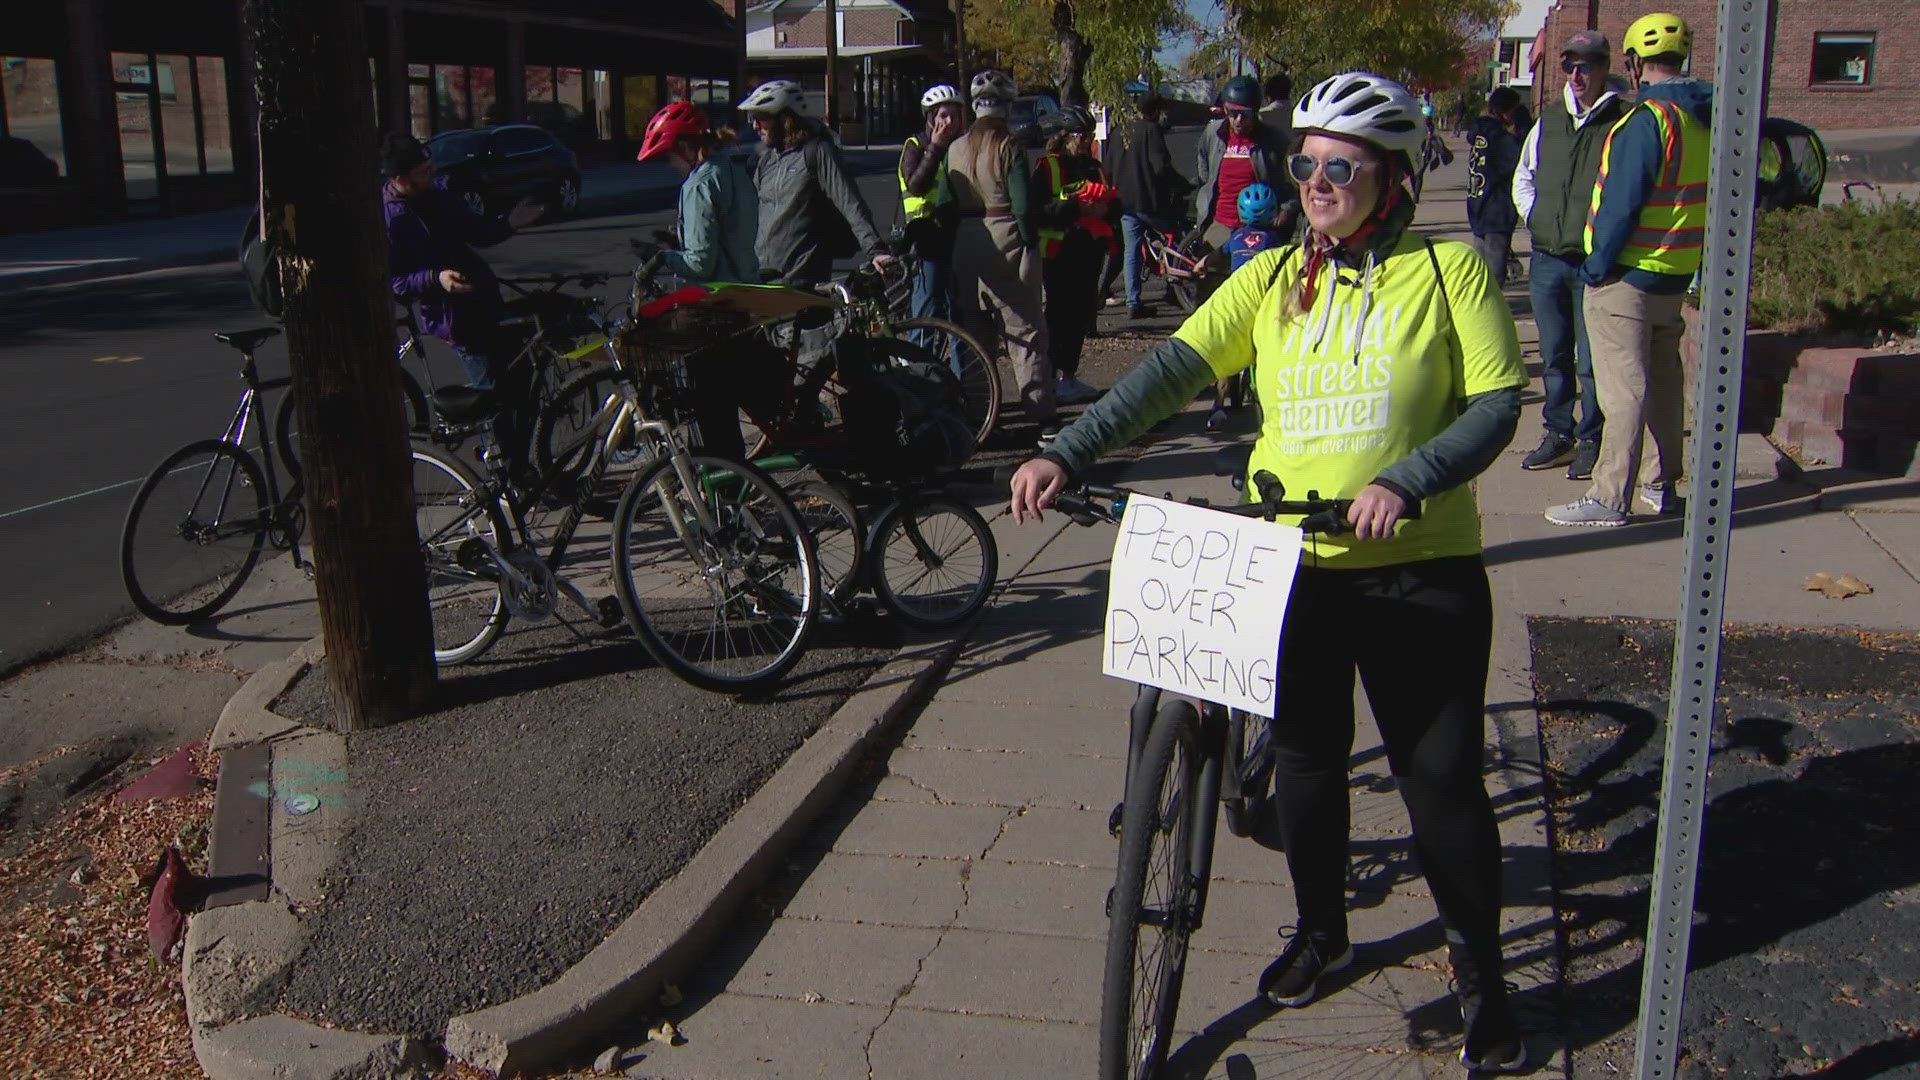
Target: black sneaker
[[1292, 980], [1139, 311], [1493, 1043], [1585, 456], [1553, 450]]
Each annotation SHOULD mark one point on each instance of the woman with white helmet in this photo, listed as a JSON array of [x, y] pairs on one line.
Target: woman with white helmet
[[996, 271], [1389, 372], [926, 200], [810, 212]]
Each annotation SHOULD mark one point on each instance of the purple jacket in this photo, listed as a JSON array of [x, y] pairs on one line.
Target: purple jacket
[[435, 231]]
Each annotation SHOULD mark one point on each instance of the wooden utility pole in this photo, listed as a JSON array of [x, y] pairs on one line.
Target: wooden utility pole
[[960, 45], [833, 66], [320, 205], [740, 85]]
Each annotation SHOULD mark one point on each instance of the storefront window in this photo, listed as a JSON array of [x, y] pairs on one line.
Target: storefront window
[[216, 121], [642, 101], [486, 95], [1843, 59], [570, 88], [178, 115], [35, 152], [454, 109]]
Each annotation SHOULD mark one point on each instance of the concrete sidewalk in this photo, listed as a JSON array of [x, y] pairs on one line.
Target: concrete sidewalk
[[946, 920]]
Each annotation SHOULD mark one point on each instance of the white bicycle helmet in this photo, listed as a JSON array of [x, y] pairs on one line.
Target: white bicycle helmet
[[993, 93], [780, 95], [1362, 105], [939, 95]]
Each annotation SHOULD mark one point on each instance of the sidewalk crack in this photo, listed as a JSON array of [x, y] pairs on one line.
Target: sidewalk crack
[[1891, 554], [966, 875]]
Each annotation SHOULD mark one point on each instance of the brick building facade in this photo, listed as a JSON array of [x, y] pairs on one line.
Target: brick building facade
[[1836, 64]]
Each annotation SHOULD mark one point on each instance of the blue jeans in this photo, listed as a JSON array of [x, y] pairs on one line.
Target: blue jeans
[[1565, 358], [933, 299], [479, 367], [1133, 232]]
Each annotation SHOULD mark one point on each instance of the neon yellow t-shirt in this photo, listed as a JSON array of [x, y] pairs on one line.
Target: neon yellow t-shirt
[[1337, 411]]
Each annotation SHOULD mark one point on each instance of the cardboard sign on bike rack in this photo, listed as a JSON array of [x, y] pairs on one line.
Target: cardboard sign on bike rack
[[1196, 601]]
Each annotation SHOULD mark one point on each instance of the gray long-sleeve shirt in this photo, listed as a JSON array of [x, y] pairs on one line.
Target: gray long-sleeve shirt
[[806, 204]]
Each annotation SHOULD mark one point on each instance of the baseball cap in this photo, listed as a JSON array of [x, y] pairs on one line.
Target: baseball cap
[[1590, 43]]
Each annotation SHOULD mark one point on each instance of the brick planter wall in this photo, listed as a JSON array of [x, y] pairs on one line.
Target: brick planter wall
[[1829, 405]]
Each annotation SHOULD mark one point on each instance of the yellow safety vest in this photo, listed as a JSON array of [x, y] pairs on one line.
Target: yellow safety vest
[[919, 206], [1057, 188], [1673, 222]]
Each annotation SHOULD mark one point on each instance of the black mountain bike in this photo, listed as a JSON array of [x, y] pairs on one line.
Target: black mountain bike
[[198, 524], [1182, 761]]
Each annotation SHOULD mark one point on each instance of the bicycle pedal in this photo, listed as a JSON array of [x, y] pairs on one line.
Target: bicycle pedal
[[610, 615], [1113, 819]]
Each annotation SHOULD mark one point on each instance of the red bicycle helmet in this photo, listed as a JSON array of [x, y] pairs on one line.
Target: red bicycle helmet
[[679, 120]]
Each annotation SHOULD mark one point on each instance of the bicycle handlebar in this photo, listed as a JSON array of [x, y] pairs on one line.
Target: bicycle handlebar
[[554, 281], [1086, 504]]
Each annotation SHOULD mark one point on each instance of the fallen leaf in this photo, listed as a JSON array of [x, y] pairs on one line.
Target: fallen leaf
[[1836, 588], [665, 1032], [812, 998]]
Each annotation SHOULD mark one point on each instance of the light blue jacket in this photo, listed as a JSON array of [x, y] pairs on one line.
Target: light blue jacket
[[719, 220]]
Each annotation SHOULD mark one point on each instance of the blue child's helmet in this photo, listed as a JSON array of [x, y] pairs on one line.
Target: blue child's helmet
[[1257, 204]]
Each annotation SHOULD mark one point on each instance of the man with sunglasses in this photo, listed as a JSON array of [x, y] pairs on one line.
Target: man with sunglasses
[[1237, 150], [1552, 187], [1645, 231]]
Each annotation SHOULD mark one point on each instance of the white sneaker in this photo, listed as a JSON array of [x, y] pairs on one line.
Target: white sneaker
[[1586, 513], [1071, 391], [1216, 419]]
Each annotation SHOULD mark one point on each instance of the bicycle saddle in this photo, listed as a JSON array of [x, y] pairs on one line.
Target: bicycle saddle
[[247, 340], [461, 404]]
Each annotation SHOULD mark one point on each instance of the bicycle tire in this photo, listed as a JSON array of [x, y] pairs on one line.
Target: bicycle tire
[[675, 611], [159, 586], [1250, 756], [979, 373], [451, 506], [839, 535], [565, 417], [934, 553], [1152, 891], [286, 423]]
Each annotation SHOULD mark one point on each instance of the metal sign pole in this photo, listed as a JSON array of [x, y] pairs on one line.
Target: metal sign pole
[[1734, 171]]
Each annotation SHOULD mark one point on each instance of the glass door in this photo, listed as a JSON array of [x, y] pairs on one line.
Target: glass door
[[136, 93]]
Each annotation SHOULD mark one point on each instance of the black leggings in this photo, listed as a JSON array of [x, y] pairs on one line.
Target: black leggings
[[1419, 634], [1072, 280]]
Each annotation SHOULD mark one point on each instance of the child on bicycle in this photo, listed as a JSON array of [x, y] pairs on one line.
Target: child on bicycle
[[1257, 206], [1363, 307]]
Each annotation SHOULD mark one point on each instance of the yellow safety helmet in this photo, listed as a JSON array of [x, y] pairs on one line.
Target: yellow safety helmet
[[1659, 34]]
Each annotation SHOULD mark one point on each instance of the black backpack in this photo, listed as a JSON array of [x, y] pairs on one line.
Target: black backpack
[[256, 262], [904, 411]]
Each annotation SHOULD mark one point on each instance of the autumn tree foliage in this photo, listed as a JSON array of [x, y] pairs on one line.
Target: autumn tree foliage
[[1427, 44], [1087, 49]]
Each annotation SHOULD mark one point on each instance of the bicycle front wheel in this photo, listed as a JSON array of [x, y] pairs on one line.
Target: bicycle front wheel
[[194, 532], [1151, 909], [934, 561], [979, 375], [719, 579], [461, 529], [286, 423]]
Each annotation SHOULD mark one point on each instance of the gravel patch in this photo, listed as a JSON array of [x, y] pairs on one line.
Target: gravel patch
[[1806, 945], [500, 839]]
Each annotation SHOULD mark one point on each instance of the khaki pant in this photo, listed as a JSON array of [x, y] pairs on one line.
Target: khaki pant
[[1635, 337], [997, 295]]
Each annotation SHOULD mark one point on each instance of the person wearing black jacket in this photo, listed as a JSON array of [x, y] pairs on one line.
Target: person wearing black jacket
[[1493, 150], [1153, 193]]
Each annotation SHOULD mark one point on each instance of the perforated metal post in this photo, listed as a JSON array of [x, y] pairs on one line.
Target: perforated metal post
[[1722, 336]]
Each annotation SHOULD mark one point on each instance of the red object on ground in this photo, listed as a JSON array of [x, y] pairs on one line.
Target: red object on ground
[[166, 922], [171, 779]]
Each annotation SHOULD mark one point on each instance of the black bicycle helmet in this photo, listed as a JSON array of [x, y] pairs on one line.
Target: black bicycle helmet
[[1073, 118], [1243, 90]]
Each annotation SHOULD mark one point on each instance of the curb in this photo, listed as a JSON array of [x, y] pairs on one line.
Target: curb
[[674, 927], [238, 957]]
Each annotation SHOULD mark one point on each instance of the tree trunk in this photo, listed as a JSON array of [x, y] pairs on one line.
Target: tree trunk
[[960, 45], [319, 202], [1074, 51]]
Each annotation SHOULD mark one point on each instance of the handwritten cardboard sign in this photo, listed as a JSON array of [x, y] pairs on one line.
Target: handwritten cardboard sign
[[1196, 601]]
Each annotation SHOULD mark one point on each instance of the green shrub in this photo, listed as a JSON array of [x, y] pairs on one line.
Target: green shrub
[[1848, 269]]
